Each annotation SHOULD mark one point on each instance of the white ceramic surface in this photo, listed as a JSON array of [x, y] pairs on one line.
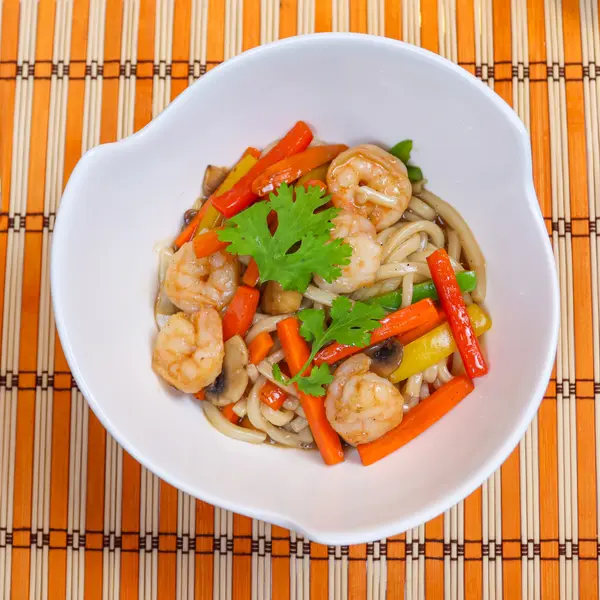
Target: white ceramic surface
[[123, 198]]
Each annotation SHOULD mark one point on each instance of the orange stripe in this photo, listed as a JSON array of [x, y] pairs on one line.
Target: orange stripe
[[204, 562], [242, 565]]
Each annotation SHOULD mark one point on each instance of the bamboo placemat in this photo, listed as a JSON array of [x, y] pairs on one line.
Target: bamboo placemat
[[79, 518]]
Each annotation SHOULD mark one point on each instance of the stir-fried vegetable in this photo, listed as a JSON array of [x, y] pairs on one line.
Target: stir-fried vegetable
[[299, 248], [291, 168], [208, 217], [260, 347], [251, 275], [240, 312], [208, 243], [296, 354], [229, 413], [313, 183], [436, 345], [402, 151], [417, 420], [420, 330], [272, 396], [454, 307], [394, 324], [241, 195], [467, 280]]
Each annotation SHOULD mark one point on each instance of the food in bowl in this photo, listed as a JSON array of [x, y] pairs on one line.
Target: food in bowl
[[320, 296]]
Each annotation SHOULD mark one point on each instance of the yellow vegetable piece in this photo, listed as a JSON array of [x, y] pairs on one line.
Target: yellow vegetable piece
[[429, 349], [319, 173], [212, 217]]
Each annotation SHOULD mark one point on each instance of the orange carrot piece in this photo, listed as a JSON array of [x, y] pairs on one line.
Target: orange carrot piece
[[296, 353], [208, 243], [421, 330], [272, 396], [417, 420], [259, 347], [251, 275], [240, 312], [394, 324], [228, 413], [293, 167], [241, 196], [315, 183], [199, 395], [188, 231], [252, 152]]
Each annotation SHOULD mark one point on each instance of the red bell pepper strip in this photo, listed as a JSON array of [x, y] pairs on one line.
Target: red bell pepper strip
[[272, 396], [240, 312], [454, 307], [293, 167], [241, 196]]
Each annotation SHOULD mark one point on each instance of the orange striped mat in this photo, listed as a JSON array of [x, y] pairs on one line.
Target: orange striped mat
[[79, 518]]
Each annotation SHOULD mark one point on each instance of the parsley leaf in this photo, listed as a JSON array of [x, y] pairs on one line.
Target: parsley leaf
[[351, 324], [299, 248]]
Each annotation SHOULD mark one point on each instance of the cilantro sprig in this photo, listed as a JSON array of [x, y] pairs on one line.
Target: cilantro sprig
[[300, 247], [351, 324]]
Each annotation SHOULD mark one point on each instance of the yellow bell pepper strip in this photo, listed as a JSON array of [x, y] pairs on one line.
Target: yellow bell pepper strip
[[429, 349], [320, 173], [208, 217]]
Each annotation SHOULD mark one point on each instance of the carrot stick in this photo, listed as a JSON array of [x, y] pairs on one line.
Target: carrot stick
[[417, 332], [296, 353], [454, 307], [417, 420], [251, 275], [208, 243], [228, 413], [246, 162], [394, 324], [293, 167], [241, 195], [272, 396], [240, 312], [259, 347]]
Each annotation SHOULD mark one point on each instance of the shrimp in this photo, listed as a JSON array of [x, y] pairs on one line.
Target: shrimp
[[191, 282], [189, 350], [371, 182], [359, 233], [360, 405]]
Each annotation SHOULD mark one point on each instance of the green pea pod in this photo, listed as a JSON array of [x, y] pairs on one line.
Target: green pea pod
[[467, 280]]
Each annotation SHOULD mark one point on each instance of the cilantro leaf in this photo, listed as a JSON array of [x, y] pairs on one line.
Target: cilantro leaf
[[313, 384], [299, 248], [351, 324]]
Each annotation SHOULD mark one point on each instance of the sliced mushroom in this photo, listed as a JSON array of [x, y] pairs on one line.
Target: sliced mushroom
[[231, 384], [385, 357], [277, 301], [213, 178]]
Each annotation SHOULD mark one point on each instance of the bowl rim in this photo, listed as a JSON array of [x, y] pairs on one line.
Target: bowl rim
[[462, 488]]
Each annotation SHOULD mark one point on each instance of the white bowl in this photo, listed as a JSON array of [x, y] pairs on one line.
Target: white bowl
[[125, 197]]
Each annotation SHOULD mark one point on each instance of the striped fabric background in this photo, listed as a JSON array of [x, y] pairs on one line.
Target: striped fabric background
[[79, 518]]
